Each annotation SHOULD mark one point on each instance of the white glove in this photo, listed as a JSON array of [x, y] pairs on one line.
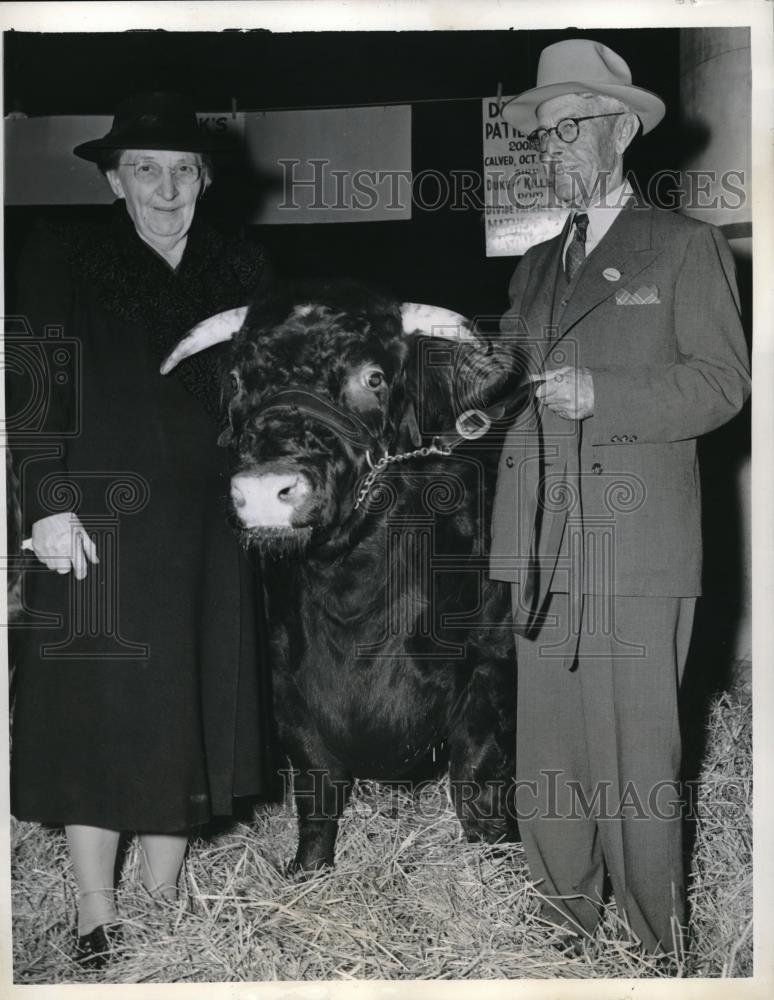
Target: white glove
[[60, 541]]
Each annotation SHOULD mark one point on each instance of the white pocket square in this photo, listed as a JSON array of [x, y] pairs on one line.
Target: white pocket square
[[645, 296]]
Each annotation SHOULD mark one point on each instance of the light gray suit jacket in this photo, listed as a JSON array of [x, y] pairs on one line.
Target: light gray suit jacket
[[654, 315]]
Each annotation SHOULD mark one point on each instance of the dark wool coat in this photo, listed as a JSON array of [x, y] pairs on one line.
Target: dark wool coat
[[141, 692]]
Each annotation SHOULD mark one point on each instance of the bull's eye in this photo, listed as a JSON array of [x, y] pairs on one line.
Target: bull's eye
[[373, 378], [234, 381]]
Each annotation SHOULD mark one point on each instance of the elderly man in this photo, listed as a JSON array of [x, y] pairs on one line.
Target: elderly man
[[630, 319]]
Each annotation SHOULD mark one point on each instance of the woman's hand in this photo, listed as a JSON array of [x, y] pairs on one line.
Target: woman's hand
[[61, 542]]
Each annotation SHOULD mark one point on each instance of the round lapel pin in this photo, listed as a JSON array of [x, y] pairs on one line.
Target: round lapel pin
[[611, 274]]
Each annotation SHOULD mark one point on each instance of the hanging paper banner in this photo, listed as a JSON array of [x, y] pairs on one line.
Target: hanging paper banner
[[40, 168], [329, 165], [517, 211], [333, 164]]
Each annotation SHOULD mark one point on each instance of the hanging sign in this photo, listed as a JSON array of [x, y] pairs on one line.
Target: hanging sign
[[329, 165], [332, 164], [517, 207], [40, 168]]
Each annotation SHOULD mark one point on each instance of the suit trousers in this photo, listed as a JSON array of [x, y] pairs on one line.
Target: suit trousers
[[598, 762]]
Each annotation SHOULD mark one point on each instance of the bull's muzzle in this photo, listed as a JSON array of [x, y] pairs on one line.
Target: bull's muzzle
[[269, 500]]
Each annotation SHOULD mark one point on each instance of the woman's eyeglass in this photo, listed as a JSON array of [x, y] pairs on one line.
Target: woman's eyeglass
[[148, 172], [567, 130]]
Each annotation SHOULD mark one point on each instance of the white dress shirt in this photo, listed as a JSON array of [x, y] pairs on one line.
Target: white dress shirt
[[601, 217]]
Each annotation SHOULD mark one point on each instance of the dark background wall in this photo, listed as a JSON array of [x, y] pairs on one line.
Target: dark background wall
[[437, 256]]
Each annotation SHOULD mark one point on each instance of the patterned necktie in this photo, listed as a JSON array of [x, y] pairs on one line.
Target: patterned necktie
[[576, 251]]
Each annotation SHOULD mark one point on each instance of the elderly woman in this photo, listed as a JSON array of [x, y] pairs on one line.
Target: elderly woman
[[138, 706]]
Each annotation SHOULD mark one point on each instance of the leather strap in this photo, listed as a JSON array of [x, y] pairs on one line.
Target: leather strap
[[347, 424], [475, 423]]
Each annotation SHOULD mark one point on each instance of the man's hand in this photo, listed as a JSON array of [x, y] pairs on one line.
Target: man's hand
[[568, 392], [61, 542]]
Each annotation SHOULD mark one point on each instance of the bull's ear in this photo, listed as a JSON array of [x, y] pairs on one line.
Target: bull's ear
[[225, 437], [435, 321]]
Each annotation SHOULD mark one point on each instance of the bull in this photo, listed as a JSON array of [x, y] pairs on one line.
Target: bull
[[361, 471]]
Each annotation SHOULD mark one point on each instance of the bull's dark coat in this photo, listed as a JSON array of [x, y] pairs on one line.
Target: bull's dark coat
[[161, 742], [388, 639]]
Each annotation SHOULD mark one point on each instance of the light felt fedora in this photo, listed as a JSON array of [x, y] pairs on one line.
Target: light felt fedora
[[580, 65]]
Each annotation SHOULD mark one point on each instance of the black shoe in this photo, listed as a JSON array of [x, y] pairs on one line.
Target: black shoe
[[93, 950], [568, 945]]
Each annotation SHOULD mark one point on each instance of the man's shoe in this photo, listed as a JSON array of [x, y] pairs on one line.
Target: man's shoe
[[570, 945]]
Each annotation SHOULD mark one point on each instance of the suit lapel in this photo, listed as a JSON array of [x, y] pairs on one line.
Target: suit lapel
[[626, 248], [538, 301]]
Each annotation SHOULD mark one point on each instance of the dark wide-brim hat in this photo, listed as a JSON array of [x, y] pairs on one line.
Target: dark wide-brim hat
[[151, 121], [578, 65]]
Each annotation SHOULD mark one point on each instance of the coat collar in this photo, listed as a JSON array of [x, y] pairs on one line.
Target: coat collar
[[130, 281], [539, 293], [627, 248]]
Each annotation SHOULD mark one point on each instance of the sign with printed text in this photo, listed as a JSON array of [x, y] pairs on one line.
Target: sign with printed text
[[518, 212]]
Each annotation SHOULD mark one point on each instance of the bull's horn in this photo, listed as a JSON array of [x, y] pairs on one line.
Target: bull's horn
[[215, 330], [435, 321]]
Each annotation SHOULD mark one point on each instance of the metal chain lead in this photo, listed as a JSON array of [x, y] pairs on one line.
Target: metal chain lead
[[387, 459]]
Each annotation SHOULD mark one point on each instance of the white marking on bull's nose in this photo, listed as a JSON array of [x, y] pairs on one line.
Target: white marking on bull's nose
[[269, 500]]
